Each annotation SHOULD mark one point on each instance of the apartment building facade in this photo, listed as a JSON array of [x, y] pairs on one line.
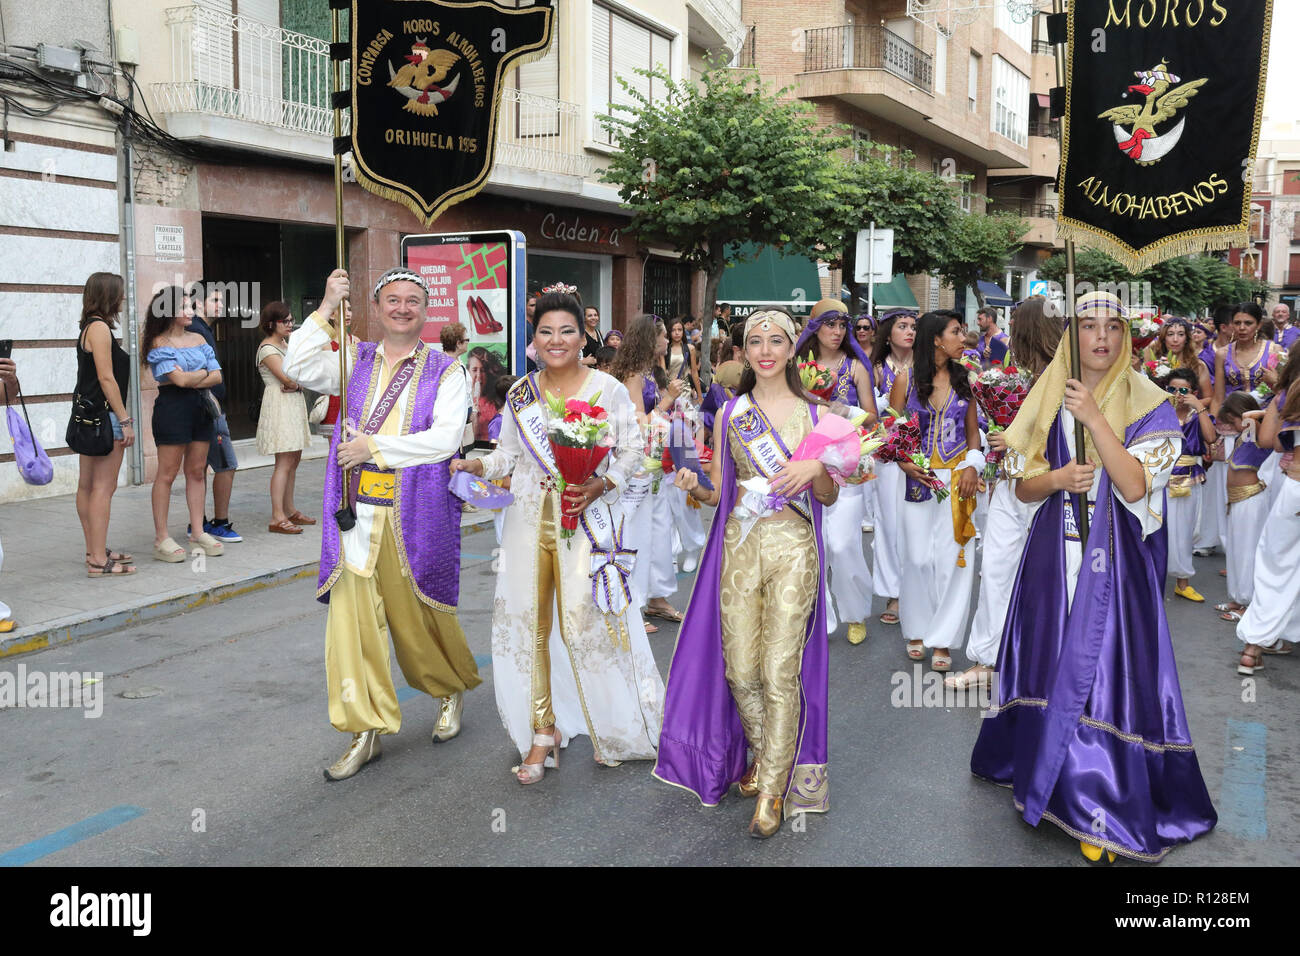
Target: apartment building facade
[[254, 75], [955, 95], [60, 209], [1273, 253], [1031, 192]]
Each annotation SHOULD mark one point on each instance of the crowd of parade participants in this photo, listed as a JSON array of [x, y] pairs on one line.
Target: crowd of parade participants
[[732, 469]]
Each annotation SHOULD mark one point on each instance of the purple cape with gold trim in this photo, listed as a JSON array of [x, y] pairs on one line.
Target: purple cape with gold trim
[[702, 744]]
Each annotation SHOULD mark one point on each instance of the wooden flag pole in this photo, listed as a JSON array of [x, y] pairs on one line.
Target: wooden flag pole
[[344, 516], [1076, 369]]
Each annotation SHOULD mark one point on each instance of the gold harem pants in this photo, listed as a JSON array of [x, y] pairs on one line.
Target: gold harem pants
[[548, 590], [364, 612], [768, 589]]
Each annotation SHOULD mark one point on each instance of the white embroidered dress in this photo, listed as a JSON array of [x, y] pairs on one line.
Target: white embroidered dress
[[598, 687]]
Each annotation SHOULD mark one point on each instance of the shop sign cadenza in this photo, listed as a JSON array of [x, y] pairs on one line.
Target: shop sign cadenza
[[574, 231]]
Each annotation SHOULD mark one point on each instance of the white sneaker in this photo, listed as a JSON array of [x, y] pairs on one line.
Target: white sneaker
[[690, 563], [868, 528]]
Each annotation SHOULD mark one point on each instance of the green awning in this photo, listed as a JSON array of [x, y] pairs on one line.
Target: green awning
[[894, 294], [770, 279]]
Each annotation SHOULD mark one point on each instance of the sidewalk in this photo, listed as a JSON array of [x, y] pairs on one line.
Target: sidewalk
[[44, 580]]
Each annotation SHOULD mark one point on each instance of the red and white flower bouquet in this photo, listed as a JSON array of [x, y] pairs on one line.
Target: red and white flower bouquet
[[581, 437]]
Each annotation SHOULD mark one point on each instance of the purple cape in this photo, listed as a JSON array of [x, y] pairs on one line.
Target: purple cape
[[1090, 731], [702, 744]]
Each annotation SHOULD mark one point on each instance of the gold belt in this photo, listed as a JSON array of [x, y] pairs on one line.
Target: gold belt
[[377, 485], [1242, 492], [1180, 486], [1187, 461]]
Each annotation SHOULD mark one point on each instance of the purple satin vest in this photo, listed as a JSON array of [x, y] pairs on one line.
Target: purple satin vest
[[949, 440], [846, 390], [1194, 445], [1234, 379], [1246, 454], [426, 516], [649, 392]]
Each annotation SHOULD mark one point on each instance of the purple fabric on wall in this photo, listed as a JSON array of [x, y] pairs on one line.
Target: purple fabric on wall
[[1091, 725], [702, 744]]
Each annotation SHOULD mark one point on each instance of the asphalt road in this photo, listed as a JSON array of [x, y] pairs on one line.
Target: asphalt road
[[213, 735]]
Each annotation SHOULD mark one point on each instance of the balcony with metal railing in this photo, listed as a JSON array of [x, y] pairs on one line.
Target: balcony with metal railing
[[860, 47], [1050, 129], [236, 80]]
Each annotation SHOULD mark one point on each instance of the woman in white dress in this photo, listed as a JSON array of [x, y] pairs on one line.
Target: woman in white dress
[[600, 678], [282, 428], [891, 354], [654, 576], [1035, 335]]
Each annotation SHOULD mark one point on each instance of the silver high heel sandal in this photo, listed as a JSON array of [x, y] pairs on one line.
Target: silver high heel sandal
[[529, 773]]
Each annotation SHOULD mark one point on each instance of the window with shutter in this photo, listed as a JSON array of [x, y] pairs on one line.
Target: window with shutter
[[619, 47]]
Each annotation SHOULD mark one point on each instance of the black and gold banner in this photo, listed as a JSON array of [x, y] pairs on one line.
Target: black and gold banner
[[1162, 114], [426, 88]]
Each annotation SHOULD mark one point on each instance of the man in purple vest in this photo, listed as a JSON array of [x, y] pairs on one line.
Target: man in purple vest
[[396, 572]]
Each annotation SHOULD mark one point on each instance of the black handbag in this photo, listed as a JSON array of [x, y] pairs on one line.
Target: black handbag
[[89, 430]]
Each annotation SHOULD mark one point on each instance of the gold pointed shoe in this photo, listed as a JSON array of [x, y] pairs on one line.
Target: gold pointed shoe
[[767, 817], [857, 632], [1095, 855], [363, 749], [746, 784], [449, 719]]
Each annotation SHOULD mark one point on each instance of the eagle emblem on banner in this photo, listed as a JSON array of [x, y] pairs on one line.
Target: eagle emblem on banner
[[419, 79], [1135, 125]]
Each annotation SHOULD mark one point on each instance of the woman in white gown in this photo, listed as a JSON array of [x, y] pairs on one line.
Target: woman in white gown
[[600, 678], [1035, 335], [890, 355]]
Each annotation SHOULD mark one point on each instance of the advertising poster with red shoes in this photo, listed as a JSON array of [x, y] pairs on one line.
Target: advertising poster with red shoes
[[476, 279]]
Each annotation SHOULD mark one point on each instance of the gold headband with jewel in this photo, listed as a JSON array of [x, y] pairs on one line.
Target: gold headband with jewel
[[764, 319]]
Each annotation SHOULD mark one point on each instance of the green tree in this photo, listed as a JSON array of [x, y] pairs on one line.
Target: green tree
[[978, 247], [1186, 284], [885, 187], [725, 161]]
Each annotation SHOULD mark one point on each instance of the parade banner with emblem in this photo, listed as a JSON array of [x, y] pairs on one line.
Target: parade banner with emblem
[[426, 87], [1162, 115]]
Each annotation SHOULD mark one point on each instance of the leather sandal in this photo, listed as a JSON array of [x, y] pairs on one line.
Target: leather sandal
[[299, 518], [109, 568], [283, 527], [940, 661], [916, 650], [1250, 661]]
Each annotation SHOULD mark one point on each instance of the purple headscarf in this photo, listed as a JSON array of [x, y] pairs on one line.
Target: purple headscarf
[[850, 340]]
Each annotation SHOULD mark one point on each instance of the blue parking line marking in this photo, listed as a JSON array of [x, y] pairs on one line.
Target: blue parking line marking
[[1243, 802], [62, 839]]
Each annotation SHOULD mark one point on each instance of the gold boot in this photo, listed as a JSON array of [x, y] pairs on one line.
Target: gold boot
[[363, 749], [857, 632], [449, 720], [767, 817], [746, 784]]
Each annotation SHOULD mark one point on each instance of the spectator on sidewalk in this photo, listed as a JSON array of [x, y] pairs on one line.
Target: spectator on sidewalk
[[454, 339], [183, 414], [9, 379], [221, 452], [282, 428], [103, 368]]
